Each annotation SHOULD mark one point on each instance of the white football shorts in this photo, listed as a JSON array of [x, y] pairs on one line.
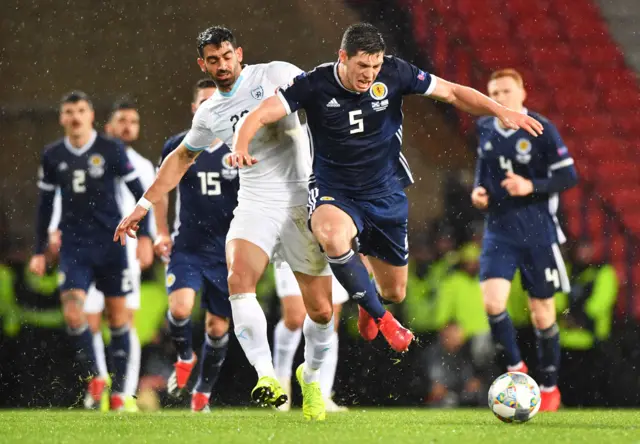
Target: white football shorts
[[282, 233]]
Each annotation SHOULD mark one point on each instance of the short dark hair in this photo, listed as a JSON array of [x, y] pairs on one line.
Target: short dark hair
[[362, 37], [215, 35], [202, 84], [122, 104], [75, 97]]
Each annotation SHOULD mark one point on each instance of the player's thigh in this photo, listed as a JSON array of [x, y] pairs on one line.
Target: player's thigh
[[391, 279], [251, 241], [498, 264], [543, 272], [112, 274], [386, 238], [183, 280], [215, 293], [75, 273], [335, 223], [316, 294]]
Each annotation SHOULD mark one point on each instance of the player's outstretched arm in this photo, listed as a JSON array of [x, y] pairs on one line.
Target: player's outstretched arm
[[474, 102], [169, 175], [270, 111]]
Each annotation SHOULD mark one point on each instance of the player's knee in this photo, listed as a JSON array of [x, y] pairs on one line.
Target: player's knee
[[333, 239], [180, 309], [216, 326], [117, 318], [293, 320], [494, 305], [239, 281], [394, 293], [321, 315], [543, 313], [72, 309]]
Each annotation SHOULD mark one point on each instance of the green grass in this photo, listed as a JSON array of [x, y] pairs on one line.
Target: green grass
[[357, 426]]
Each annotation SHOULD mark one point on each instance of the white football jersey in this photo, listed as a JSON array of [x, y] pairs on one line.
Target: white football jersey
[[282, 149]]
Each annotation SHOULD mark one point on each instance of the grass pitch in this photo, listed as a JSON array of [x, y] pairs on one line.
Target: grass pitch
[[359, 425]]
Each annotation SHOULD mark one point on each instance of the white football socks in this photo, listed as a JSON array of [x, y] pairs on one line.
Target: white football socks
[[285, 345], [101, 358], [318, 341], [133, 365], [250, 327], [328, 370]]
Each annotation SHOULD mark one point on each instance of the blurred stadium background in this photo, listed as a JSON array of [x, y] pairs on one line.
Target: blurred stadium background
[[579, 59]]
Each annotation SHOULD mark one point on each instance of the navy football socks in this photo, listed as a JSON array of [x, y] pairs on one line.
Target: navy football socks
[[214, 350], [504, 333], [119, 349], [82, 341], [181, 330], [354, 277], [548, 349]]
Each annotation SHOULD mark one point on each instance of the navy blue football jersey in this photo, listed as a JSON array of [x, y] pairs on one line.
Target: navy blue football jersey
[[205, 200], [357, 137], [528, 220], [88, 178]]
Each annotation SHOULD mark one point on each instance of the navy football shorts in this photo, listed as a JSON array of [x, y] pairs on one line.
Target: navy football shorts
[[381, 222], [541, 267], [201, 271], [104, 264]]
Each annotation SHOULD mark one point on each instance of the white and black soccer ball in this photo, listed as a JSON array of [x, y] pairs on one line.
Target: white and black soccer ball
[[514, 397]]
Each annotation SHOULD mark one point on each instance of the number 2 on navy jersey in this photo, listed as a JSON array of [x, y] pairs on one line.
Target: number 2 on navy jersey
[[353, 120]]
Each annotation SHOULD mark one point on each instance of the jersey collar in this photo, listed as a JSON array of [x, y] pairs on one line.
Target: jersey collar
[[84, 148], [506, 132], [335, 73]]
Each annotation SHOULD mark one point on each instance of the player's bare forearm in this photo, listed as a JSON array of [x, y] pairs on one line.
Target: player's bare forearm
[[161, 209], [271, 110], [474, 102], [171, 171]]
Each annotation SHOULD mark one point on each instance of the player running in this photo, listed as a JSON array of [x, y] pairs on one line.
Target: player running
[[206, 198], [87, 167], [270, 220], [356, 200], [123, 124], [518, 178]]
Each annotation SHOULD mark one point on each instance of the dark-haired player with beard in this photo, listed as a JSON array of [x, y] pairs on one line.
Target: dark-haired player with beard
[[270, 220]]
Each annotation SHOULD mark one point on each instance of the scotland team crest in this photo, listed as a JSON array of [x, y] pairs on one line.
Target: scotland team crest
[[379, 90], [257, 93], [96, 166], [523, 151], [228, 172]]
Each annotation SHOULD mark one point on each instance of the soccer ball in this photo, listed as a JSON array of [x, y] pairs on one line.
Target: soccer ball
[[514, 397]]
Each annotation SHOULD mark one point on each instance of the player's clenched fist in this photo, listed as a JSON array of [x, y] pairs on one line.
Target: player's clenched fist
[[163, 246], [480, 198], [38, 265], [517, 185], [129, 225]]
